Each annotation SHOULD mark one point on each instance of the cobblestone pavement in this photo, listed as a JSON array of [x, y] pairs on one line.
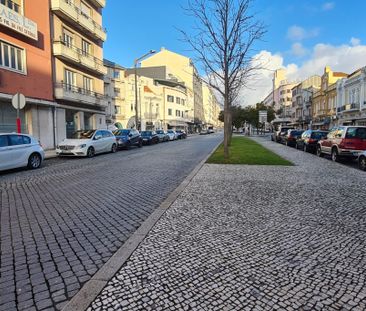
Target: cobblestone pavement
[[253, 238], [61, 223]]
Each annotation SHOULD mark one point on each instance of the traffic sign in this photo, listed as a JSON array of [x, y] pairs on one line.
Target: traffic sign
[[18, 101]]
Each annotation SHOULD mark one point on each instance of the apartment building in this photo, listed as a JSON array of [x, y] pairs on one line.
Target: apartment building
[[351, 99], [184, 70], [211, 108], [25, 67], [301, 101], [78, 69], [324, 100]]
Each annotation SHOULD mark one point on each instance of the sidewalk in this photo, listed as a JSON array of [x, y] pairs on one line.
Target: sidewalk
[[253, 238]]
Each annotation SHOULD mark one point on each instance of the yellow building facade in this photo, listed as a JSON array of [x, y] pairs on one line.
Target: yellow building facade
[[324, 101], [183, 68], [78, 36]]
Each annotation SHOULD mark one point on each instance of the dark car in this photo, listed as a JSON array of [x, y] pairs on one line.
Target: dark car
[[309, 140], [280, 133], [290, 138], [127, 138], [149, 137], [181, 134], [163, 136]]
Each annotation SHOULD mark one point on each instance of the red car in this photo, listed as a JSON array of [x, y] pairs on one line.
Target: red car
[[343, 142]]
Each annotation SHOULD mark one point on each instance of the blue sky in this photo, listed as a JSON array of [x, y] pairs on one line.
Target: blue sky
[[303, 35]]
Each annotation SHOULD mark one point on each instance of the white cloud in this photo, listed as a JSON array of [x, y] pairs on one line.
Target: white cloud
[[345, 58], [355, 41], [298, 50], [297, 33], [327, 6]]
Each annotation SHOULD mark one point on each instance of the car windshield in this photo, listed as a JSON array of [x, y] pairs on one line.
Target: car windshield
[[318, 135], [170, 131], [83, 134], [296, 133], [159, 132], [121, 132], [146, 133], [356, 132]]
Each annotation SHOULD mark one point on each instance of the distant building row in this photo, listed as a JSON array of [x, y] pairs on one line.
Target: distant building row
[[52, 52], [320, 102]]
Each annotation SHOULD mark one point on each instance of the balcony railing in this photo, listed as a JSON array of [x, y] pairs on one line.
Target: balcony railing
[[79, 57], [74, 93], [74, 15], [11, 5]]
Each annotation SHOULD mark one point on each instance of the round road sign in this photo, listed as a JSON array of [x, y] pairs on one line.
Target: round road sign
[[18, 101]]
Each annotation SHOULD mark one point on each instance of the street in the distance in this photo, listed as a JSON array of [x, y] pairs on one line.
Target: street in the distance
[[61, 223]]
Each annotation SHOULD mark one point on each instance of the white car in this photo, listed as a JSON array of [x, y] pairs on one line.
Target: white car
[[362, 161], [87, 143], [20, 150], [172, 135]]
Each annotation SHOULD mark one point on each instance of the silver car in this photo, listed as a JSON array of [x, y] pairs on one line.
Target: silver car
[[20, 150]]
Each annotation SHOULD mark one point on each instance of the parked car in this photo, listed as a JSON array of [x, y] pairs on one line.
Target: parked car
[[289, 139], [343, 142], [276, 136], [149, 137], [181, 134], [127, 138], [20, 150], [204, 132], [362, 161], [87, 143], [309, 140], [163, 136], [211, 130], [172, 135]]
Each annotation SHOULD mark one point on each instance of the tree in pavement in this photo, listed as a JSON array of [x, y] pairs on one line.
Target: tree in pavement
[[223, 38]]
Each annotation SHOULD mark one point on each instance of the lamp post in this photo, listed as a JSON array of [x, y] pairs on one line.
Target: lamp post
[[136, 99]]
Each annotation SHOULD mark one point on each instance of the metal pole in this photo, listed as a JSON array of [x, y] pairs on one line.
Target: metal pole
[[19, 123], [136, 100]]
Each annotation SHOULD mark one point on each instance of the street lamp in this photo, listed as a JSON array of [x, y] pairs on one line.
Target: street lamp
[[136, 99]]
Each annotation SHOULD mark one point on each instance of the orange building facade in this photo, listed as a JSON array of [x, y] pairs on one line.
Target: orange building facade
[[26, 67]]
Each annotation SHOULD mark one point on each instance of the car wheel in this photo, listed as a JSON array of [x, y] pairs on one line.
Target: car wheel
[[362, 163], [34, 161], [114, 148], [335, 157], [319, 152], [90, 153]]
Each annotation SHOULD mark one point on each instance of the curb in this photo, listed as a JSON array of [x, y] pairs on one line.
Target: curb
[[91, 289]]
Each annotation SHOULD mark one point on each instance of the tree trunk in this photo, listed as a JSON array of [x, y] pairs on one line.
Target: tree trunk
[[227, 127]]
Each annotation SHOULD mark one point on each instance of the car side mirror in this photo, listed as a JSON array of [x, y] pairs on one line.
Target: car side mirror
[[130, 135], [97, 137]]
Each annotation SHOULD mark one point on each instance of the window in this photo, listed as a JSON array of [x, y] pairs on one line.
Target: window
[[170, 99], [87, 84], [11, 57], [86, 48], [182, 101], [3, 140], [177, 100], [117, 92], [116, 74], [177, 113], [68, 38], [169, 112], [11, 5], [117, 109], [15, 140], [131, 107], [85, 10], [69, 79]]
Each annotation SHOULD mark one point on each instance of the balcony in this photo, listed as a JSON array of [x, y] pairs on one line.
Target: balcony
[[79, 57], [76, 94], [98, 3], [66, 10]]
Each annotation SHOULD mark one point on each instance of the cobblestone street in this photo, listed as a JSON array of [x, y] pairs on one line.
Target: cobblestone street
[[254, 238], [61, 223]]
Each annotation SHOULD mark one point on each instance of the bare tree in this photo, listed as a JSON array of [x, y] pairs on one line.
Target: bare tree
[[223, 40]]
